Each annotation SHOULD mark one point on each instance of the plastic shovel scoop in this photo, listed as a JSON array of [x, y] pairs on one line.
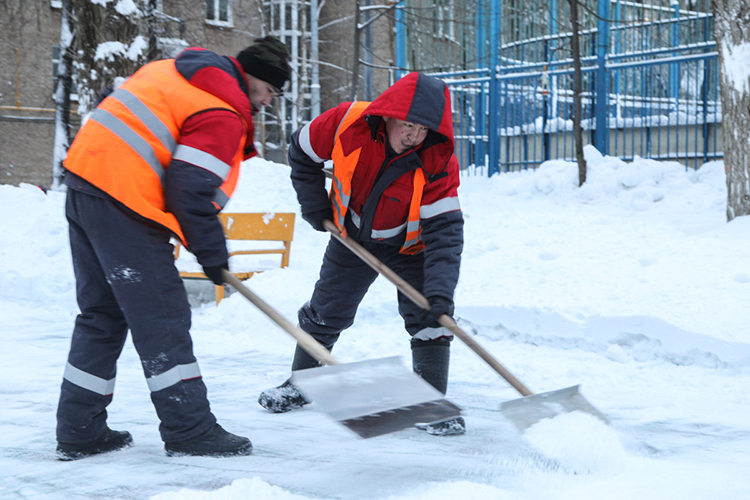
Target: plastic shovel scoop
[[371, 397]]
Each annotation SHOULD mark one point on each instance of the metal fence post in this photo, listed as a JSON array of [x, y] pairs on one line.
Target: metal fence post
[[480, 126], [601, 136], [493, 132], [400, 42]]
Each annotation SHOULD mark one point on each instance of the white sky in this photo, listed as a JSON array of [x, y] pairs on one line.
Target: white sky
[[633, 286]]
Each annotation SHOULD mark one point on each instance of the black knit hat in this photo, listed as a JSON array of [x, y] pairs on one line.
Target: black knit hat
[[266, 59]]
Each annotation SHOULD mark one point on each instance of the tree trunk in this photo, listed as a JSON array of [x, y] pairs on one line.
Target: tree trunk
[[575, 48], [63, 86], [108, 46], [732, 31], [355, 55]]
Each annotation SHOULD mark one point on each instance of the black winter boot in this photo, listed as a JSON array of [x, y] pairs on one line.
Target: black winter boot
[[109, 441], [287, 397], [215, 443], [431, 360]]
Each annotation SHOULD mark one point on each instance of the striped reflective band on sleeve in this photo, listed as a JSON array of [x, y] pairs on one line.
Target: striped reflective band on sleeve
[[440, 207], [304, 143], [88, 381], [173, 376], [131, 138], [145, 115], [202, 159]]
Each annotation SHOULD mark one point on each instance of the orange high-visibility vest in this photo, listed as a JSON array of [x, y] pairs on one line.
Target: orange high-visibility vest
[[130, 139], [341, 185]]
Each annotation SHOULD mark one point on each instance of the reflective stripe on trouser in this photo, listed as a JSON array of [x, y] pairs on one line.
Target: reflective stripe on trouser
[[344, 280], [125, 278]]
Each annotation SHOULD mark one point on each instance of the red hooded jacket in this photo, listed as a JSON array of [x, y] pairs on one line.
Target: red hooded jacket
[[382, 184]]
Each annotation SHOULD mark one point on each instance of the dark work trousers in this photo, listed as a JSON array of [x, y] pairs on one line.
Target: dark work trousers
[[126, 279], [344, 280]]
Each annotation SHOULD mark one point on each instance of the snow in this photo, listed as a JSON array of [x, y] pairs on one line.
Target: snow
[[735, 67], [633, 286], [106, 51]]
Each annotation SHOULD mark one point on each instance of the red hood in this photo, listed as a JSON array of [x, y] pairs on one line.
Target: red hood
[[415, 98]]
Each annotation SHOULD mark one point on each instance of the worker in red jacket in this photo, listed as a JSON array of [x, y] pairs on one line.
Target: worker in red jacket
[[158, 158], [394, 190]]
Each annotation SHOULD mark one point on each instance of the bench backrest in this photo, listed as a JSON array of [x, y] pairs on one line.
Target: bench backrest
[[258, 226]]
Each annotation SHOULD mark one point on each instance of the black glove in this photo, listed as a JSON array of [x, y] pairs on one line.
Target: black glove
[[438, 307], [315, 219], [215, 274]]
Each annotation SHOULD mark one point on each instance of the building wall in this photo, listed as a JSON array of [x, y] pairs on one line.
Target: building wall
[[30, 28]]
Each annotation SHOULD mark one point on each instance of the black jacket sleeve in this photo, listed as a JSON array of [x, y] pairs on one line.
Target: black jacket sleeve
[[188, 192], [308, 178], [443, 236]]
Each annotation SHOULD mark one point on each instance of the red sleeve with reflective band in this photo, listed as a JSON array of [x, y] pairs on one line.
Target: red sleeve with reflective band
[[322, 132], [217, 132]]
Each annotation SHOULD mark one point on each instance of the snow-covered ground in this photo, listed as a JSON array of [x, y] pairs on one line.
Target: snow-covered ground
[[633, 286]]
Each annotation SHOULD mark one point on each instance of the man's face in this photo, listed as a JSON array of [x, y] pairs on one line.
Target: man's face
[[404, 135], [261, 93]]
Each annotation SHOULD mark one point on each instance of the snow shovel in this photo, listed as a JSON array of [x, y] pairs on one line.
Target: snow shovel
[[372, 397], [523, 412]]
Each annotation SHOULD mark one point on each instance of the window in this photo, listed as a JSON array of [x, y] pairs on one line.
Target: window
[[55, 64], [219, 12]]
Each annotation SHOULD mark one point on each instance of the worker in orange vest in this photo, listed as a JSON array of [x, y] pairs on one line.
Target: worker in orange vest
[[158, 158], [394, 190]]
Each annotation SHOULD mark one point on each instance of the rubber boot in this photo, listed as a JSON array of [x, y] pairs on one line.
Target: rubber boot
[[431, 360], [287, 397]]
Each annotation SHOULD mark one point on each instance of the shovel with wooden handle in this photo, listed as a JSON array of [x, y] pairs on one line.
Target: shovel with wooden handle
[[523, 412], [372, 397]]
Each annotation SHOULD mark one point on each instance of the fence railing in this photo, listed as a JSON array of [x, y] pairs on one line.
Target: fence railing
[[650, 88], [534, 121]]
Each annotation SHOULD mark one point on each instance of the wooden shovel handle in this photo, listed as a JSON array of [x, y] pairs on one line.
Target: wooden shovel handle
[[422, 302], [304, 339]]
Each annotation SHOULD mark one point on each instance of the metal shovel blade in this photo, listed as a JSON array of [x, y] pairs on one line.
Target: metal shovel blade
[[373, 397], [525, 412]]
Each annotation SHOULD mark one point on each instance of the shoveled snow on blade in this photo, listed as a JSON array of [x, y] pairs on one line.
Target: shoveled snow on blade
[[578, 441]]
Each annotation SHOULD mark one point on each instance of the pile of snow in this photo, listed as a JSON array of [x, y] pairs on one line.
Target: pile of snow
[[633, 286]]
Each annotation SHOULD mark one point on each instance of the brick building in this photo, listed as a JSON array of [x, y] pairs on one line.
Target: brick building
[[30, 36]]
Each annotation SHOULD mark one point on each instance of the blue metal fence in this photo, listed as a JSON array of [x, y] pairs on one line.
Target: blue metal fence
[[650, 89]]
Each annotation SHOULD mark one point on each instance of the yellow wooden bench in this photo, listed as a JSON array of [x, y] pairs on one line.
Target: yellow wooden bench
[[247, 234]]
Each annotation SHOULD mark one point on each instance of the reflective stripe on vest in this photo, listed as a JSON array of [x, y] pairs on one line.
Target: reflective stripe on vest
[[149, 119], [341, 189], [89, 382], [173, 376], [413, 244], [137, 143], [343, 167]]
